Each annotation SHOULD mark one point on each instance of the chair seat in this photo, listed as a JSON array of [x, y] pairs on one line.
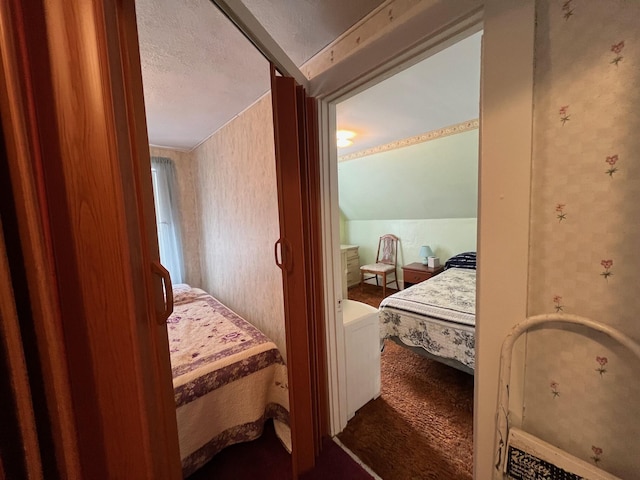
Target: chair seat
[[378, 268]]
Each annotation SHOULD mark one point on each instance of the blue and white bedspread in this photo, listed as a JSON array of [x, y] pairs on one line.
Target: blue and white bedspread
[[437, 315]]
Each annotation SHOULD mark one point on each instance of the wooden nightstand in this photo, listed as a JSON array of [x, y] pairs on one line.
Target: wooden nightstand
[[417, 272]]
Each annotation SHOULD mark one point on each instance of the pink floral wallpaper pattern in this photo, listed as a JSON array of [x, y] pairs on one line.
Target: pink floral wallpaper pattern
[[581, 391]]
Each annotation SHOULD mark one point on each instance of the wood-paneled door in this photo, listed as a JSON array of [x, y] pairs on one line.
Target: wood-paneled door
[[299, 257], [93, 303]]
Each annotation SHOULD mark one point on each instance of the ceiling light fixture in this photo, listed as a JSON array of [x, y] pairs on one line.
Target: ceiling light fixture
[[343, 138]]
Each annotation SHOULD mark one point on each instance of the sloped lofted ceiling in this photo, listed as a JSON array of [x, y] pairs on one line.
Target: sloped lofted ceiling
[[436, 179], [440, 91], [199, 72]]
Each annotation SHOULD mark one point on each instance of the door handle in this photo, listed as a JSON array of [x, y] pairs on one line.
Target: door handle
[[163, 273], [285, 259], [277, 258]]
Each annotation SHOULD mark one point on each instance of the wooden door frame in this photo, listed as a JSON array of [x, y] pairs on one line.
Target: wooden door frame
[[305, 342], [345, 83], [500, 178], [79, 160], [292, 262], [21, 458], [294, 121]]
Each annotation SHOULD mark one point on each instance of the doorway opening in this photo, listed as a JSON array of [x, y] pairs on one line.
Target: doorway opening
[[410, 169]]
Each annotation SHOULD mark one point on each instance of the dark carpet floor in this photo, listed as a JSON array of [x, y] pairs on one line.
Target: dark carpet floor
[[421, 425], [266, 459]]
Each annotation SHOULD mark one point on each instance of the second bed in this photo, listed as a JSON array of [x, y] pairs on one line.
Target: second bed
[[435, 318], [228, 378]]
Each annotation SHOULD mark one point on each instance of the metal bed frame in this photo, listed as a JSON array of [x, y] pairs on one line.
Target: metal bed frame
[[568, 466]]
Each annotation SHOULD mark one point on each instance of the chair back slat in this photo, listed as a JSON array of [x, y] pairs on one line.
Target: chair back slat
[[385, 263], [387, 247]]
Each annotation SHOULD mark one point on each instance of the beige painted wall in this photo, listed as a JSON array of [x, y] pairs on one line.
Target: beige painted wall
[[237, 201], [188, 207]]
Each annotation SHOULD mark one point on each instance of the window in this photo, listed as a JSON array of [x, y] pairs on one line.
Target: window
[[167, 216]]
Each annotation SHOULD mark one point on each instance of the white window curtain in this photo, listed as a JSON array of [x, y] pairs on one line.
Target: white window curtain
[[165, 195]]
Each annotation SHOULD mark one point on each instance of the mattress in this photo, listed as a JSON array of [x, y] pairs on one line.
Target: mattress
[[436, 316], [228, 378]]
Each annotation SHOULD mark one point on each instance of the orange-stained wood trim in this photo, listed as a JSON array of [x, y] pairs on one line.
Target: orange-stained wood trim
[[17, 108], [294, 276], [88, 132], [160, 402], [103, 198], [21, 421], [309, 181], [314, 259]]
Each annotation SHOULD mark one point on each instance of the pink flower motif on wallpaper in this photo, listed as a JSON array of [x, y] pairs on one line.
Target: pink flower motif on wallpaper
[[602, 363], [564, 115], [567, 9], [597, 452], [554, 389], [560, 213], [611, 160], [606, 264], [617, 49], [557, 300]]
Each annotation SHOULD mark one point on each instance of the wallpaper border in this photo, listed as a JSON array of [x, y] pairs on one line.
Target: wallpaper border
[[407, 142]]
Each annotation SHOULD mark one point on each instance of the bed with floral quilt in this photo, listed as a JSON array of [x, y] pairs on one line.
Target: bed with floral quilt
[[435, 318], [228, 378]]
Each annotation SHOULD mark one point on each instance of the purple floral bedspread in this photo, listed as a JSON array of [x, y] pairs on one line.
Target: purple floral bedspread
[[203, 331], [228, 377]]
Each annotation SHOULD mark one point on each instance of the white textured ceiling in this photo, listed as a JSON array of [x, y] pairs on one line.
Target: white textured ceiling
[[440, 91], [199, 72]]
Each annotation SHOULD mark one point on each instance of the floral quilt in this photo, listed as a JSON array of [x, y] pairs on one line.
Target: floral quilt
[[228, 378], [437, 315]]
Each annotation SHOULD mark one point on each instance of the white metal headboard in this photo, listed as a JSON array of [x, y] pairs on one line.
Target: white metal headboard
[[524, 440]]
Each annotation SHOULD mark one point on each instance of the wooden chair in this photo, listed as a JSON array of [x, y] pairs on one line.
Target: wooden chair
[[385, 263]]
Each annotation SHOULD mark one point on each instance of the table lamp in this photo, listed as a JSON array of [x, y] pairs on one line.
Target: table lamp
[[425, 253]]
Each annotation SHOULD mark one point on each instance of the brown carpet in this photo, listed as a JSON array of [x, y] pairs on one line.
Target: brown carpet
[[369, 294], [421, 425]]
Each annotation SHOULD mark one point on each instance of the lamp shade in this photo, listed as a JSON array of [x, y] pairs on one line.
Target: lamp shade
[[425, 252]]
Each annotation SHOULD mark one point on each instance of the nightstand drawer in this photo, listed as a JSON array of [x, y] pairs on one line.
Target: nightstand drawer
[[417, 272], [411, 276]]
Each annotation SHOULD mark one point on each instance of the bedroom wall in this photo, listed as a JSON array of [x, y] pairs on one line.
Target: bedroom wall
[[238, 209], [446, 237], [433, 179], [189, 221], [581, 391], [424, 193]]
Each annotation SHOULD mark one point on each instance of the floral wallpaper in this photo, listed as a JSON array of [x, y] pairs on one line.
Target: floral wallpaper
[[581, 390], [232, 176]]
